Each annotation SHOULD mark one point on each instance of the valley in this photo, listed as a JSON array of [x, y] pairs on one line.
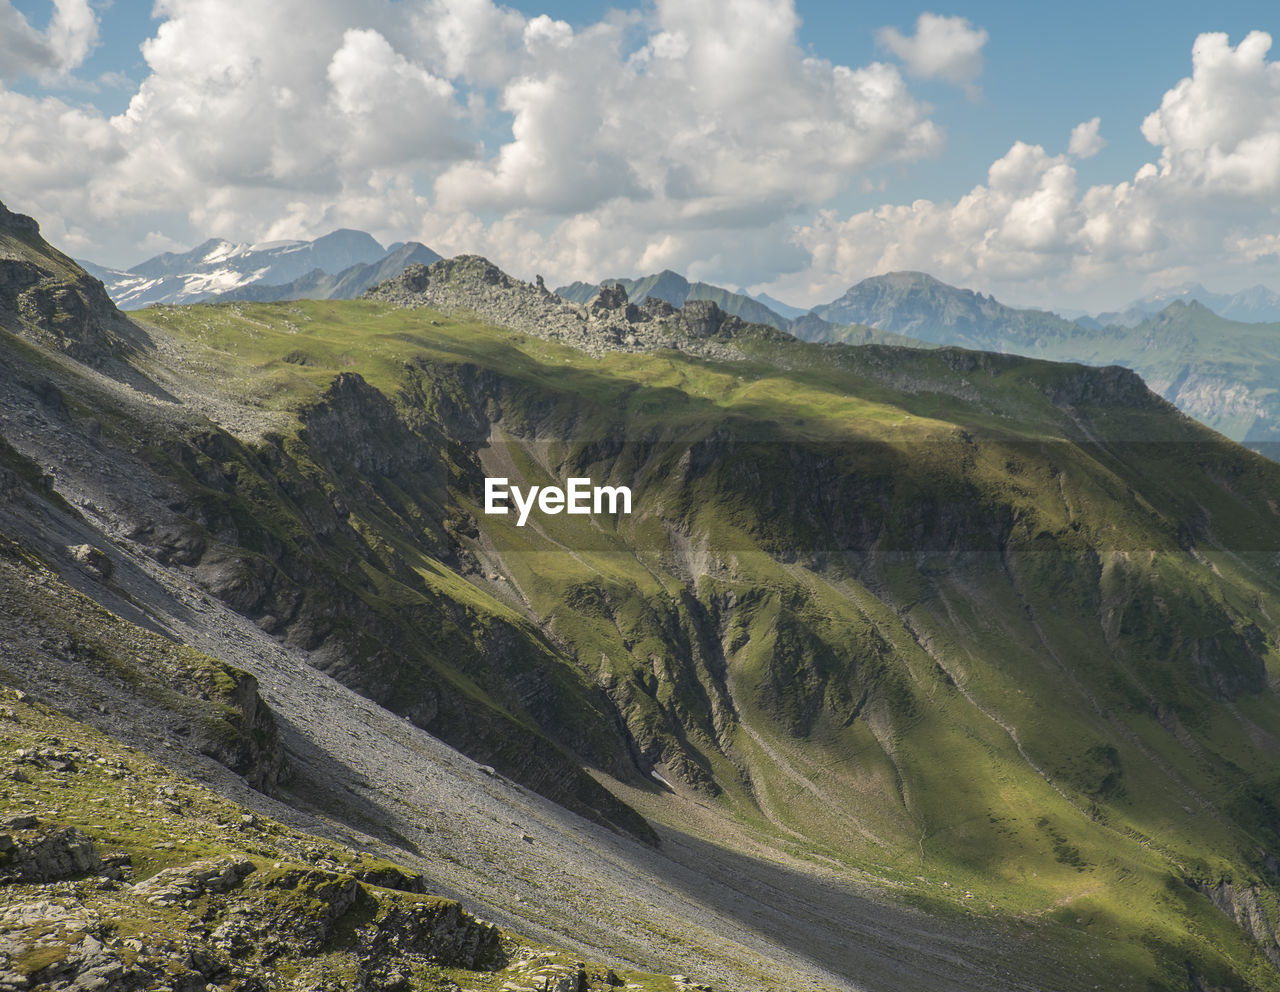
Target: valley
[[909, 669]]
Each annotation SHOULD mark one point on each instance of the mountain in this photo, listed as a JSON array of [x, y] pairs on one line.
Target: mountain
[[1224, 373], [219, 267], [677, 290], [1257, 304], [777, 306], [920, 306], [1254, 305], [51, 300], [345, 285], [907, 669]]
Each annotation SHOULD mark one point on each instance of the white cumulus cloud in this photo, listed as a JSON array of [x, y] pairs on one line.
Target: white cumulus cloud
[[700, 140], [1207, 206], [70, 37], [1219, 129], [671, 134], [1086, 142], [948, 48]]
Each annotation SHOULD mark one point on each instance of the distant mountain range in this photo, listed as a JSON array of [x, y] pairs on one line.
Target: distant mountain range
[[777, 306], [1225, 373], [1184, 341], [1254, 305], [340, 265], [922, 307], [345, 285]]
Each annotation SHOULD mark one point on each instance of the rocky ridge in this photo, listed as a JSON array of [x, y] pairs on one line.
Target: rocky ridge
[[48, 298], [607, 322]]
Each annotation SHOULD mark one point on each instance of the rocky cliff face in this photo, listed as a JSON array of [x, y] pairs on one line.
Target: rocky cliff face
[[1253, 908], [18, 222], [46, 296]]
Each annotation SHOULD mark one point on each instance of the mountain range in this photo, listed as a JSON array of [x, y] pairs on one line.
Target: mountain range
[[1224, 372], [340, 265], [1256, 305], [908, 668]]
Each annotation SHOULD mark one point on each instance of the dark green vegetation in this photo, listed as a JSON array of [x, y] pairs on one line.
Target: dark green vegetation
[[995, 633]]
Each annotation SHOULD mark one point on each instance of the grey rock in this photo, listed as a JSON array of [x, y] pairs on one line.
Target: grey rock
[[1243, 905], [92, 561], [608, 322], [45, 857], [176, 885]]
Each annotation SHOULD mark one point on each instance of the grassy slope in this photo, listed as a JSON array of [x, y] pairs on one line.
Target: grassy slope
[[1031, 728]]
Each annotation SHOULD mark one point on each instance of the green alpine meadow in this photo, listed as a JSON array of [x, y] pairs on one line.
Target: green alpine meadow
[[907, 669]]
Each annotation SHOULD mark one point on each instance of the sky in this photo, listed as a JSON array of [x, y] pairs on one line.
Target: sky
[[1070, 156]]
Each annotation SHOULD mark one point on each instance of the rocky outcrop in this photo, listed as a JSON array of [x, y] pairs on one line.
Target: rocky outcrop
[[176, 885], [30, 852], [246, 738], [18, 222], [52, 939], [608, 322], [435, 928], [1243, 903], [47, 296], [92, 561], [1111, 386]]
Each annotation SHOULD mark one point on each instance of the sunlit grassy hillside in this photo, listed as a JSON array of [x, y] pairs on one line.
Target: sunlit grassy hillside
[[995, 632]]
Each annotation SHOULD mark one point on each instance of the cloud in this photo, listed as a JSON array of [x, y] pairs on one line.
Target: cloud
[[1207, 206], [698, 142], [700, 137], [683, 129], [947, 48], [718, 118], [1219, 129], [394, 111], [1085, 139], [1015, 227], [64, 45], [73, 32], [250, 119], [475, 41]]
